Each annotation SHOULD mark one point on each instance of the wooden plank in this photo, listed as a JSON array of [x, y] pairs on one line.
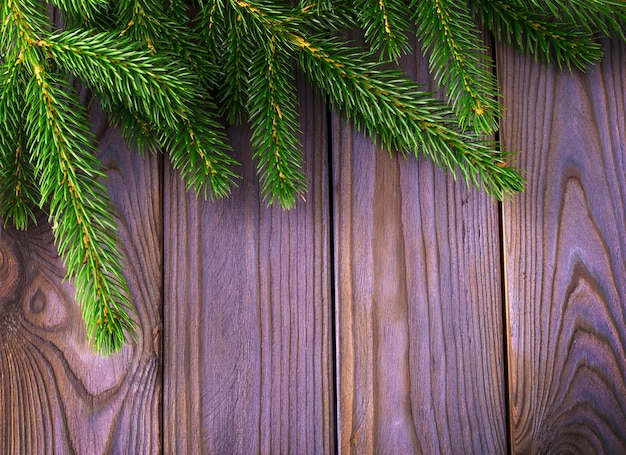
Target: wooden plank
[[248, 318], [419, 316], [565, 247], [58, 396]]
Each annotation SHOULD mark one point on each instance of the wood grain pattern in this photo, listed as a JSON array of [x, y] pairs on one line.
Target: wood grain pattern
[[58, 396], [418, 305], [566, 255], [248, 366]]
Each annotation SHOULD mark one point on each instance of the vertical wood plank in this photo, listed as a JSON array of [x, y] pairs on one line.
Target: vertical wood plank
[[57, 395], [566, 255], [418, 304], [248, 313]]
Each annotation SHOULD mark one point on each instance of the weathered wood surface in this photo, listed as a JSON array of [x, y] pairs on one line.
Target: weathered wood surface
[[248, 364], [56, 395], [419, 310], [565, 253]]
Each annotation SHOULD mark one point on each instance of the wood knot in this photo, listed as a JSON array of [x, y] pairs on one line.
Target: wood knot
[[37, 302]]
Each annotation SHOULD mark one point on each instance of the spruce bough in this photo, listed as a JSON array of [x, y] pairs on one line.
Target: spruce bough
[[168, 73]]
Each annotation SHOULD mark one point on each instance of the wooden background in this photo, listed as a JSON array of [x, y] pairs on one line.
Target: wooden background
[[395, 312]]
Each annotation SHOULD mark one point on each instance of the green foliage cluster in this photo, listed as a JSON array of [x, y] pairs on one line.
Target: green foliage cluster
[[168, 71]]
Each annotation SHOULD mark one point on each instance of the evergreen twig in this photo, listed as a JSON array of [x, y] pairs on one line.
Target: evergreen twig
[[540, 35], [459, 61], [166, 71]]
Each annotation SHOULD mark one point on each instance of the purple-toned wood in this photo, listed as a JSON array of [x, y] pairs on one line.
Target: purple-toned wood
[[565, 251], [248, 320], [419, 310]]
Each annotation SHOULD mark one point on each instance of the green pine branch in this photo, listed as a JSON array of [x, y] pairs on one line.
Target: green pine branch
[[395, 112], [592, 16], [22, 22], [53, 148], [152, 89], [148, 85], [236, 63], [458, 60], [389, 107], [273, 117], [197, 148], [84, 228], [18, 194], [166, 71], [539, 35]]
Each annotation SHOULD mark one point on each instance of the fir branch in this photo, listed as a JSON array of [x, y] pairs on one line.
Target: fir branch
[[139, 20], [210, 35], [272, 107], [153, 65], [393, 110], [84, 228], [163, 26], [458, 60], [198, 148], [151, 86], [538, 35], [390, 108], [211, 19], [272, 100], [18, 194], [11, 82], [606, 16], [235, 64], [270, 14], [386, 23]]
